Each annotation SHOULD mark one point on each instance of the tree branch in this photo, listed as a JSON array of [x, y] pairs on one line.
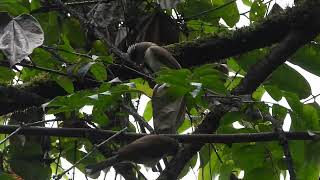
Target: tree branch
[[185, 138], [220, 46]]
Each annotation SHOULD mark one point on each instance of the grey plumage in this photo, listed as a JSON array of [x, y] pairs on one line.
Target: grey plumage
[[146, 150]]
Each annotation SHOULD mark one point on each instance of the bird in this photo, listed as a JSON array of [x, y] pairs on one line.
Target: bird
[[152, 57], [147, 150], [168, 111]]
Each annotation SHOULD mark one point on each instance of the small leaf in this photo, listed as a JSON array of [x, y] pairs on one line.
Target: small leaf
[[99, 71], [66, 84], [143, 86], [147, 114], [293, 81]]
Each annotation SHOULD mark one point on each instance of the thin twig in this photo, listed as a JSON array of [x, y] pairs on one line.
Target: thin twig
[[66, 51], [86, 2], [32, 66], [138, 118], [59, 176], [313, 97], [233, 78], [215, 150], [283, 142]]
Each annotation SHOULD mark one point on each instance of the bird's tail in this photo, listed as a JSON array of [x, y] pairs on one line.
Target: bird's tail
[[93, 170]]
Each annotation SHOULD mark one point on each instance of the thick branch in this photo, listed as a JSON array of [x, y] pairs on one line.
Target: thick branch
[[220, 46], [12, 99], [278, 55], [194, 138]]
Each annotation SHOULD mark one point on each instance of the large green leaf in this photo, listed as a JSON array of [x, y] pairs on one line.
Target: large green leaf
[[191, 8], [229, 13], [248, 156], [48, 22], [72, 29], [287, 79], [26, 161], [308, 58], [44, 59], [15, 7]]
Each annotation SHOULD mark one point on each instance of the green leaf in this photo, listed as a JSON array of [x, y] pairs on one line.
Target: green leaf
[[293, 101], [48, 22], [100, 117], [99, 71], [311, 117], [6, 74], [248, 156], [68, 52], [43, 58], [25, 161], [178, 80], [257, 11], [106, 59], [99, 49], [204, 27], [230, 118], [210, 77], [147, 114], [209, 163], [264, 173], [308, 58], [257, 94], [308, 171], [5, 176], [229, 13], [245, 61], [66, 83], [293, 81], [192, 8], [70, 102], [14, 7], [184, 126], [72, 29], [247, 2], [35, 4], [297, 149], [234, 66], [142, 86], [279, 112], [274, 92], [188, 166]]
